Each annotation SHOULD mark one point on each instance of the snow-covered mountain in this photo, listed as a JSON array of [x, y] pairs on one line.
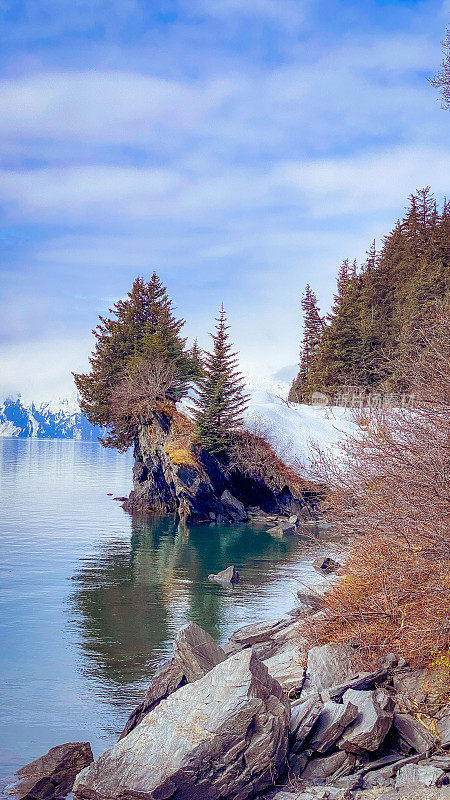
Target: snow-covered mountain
[[56, 419]]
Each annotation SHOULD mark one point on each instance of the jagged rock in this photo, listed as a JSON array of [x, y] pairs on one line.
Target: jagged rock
[[255, 634], [326, 565], [196, 652], [293, 520], [373, 722], [228, 575], [333, 720], [414, 733], [423, 774], [364, 680], [304, 715], [320, 770], [443, 727], [234, 507], [286, 666], [224, 736], [312, 599], [329, 665], [298, 762], [53, 774], [167, 680]]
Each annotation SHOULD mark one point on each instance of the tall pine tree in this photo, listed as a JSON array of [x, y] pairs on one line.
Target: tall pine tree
[[139, 329], [312, 331], [221, 400]]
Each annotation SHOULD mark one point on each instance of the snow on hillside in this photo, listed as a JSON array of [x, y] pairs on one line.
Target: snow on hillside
[[290, 428]]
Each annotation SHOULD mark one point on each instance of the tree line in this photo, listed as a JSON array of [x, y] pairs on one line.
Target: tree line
[[377, 307]]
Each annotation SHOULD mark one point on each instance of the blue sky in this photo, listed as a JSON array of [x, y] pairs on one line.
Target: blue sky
[[240, 148]]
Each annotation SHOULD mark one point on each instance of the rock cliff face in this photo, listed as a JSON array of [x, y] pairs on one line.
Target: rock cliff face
[[172, 475]]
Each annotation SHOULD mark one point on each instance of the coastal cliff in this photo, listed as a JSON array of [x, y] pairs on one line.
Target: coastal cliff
[[173, 474]]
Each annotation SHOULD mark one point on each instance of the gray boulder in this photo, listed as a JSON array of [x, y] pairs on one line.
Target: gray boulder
[[423, 774], [329, 768], [303, 718], [234, 507], [230, 575], [256, 634], [333, 720], [286, 666], [285, 529], [196, 652], [414, 733], [329, 665], [371, 726], [52, 775], [224, 736]]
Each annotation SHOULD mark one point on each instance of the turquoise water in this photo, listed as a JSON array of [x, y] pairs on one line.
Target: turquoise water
[[91, 599]]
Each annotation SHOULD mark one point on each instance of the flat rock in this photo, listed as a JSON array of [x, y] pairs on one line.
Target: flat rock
[[423, 774], [257, 633], [234, 507], [320, 770], [167, 680], [285, 529], [228, 575], [414, 733], [196, 652], [286, 666], [333, 720], [53, 774], [373, 722], [224, 736], [329, 665]]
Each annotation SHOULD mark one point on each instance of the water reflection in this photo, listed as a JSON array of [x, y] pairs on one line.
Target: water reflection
[[131, 598]]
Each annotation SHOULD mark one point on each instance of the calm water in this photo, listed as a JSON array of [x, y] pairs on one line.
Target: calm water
[[91, 599]]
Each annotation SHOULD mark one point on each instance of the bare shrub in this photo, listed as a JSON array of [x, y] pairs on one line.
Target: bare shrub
[[141, 389], [392, 492], [252, 454]]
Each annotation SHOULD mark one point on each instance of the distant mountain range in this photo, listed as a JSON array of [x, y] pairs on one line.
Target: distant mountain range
[[56, 419]]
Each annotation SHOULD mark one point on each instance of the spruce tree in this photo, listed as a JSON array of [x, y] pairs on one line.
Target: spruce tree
[[312, 332], [142, 328], [221, 400]]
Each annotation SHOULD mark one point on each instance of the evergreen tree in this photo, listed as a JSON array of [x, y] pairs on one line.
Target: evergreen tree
[[142, 328], [312, 332], [220, 401], [196, 356]]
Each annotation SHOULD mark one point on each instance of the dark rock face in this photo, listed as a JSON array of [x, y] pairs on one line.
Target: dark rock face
[[170, 475], [224, 736], [52, 775]]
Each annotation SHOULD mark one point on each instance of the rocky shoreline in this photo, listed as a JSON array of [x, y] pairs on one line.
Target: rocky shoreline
[[264, 717]]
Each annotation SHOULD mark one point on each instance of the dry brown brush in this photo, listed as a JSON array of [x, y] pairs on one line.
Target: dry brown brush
[[391, 492]]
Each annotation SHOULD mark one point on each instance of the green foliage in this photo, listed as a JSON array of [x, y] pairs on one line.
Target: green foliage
[[312, 333], [221, 400], [139, 329], [377, 308]]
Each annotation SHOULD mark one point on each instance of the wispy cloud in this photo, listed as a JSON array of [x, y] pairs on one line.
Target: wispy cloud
[[239, 148]]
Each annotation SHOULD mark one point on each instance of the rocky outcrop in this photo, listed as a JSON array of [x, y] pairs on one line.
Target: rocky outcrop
[[224, 736], [173, 475], [52, 775]]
